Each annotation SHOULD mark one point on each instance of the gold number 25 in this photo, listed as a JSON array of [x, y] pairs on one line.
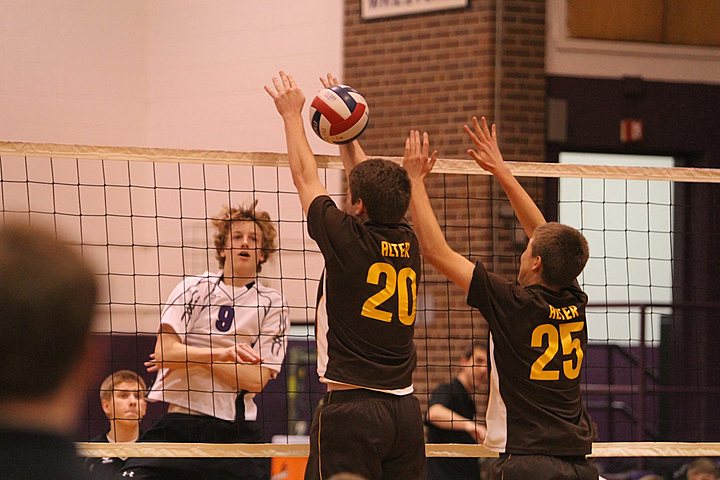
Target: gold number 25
[[569, 345], [393, 281]]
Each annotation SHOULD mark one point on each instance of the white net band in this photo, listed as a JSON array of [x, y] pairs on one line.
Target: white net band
[[467, 167], [184, 450]]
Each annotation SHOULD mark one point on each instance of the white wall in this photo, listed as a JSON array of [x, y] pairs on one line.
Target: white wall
[[73, 71], [160, 73], [208, 62]]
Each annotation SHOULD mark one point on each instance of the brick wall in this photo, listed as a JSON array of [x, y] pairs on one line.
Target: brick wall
[[433, 72]]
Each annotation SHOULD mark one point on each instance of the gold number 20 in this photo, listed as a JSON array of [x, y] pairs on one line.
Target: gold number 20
[[393, 281]]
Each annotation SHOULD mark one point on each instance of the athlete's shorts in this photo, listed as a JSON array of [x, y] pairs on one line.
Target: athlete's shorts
[[511, 466], [372, 434], [182, 428]]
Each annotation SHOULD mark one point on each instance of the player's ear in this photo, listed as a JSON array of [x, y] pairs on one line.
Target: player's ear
[[107, 408], [537, 264], [359, 208]]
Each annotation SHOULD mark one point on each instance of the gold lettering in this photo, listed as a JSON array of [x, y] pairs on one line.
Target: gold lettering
[[395, 249], [563, 313]]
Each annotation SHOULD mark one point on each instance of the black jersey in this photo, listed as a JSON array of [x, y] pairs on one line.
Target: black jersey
[[452, 396], [367, 303], [35, 455], [103, 468], [538, 338]]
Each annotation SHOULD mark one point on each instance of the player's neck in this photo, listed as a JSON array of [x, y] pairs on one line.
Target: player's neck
[[240, 279], [466, 381], [124, 431]]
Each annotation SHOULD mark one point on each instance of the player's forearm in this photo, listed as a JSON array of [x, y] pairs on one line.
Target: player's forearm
[[525, 209], [425, 224], [443, 417], [303, 165], [351, 155], [172, 351], [251, 378], [300, 156]]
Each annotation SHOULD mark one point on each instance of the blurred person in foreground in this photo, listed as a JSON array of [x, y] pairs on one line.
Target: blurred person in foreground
[[47, 304]]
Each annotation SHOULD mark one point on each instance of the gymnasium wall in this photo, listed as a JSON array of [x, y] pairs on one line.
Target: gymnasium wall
[[73, 71], [161, 73]]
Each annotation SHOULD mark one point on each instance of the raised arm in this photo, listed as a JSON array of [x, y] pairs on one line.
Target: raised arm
[[289, 101], [487, 155], [350, 153], [435, 248]]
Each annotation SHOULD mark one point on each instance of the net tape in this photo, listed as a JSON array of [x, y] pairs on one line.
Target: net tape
[[468, 167], [603, 449]]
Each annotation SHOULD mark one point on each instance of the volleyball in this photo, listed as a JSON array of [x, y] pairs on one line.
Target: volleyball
[[339, 114]]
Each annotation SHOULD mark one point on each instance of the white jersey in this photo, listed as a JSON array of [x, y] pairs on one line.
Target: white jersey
[[205, 312]]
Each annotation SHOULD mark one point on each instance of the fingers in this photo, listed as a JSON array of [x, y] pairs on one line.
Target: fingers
[[329, 81], [278, 85], [246, 354], [284, 83], [270, 91], [425, 145], [471, 134]]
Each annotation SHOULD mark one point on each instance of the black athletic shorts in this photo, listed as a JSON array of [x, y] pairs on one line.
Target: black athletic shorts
[[511, 466], [182, 428], [372, 434]]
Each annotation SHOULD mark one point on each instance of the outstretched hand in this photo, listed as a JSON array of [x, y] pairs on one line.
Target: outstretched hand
[[486, 153], [418, 161], [288, 97], [329, 81]]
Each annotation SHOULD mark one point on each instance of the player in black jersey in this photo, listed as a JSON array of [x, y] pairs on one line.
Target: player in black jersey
[[369, 423], [538, 335]]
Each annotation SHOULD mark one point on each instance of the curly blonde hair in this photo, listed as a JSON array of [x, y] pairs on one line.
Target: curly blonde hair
[[223, 224]]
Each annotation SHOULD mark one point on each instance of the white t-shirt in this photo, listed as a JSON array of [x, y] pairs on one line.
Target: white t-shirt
[[205, 312]]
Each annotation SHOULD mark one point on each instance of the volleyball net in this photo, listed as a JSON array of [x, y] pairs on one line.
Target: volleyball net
[[142, 218]]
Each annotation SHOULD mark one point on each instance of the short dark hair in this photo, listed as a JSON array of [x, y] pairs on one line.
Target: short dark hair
[[223, 224], [564, 252], [474, 345], [121, 376], [47, 304], [384, 188]]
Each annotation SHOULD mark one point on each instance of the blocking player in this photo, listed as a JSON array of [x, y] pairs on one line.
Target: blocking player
[[122, 397], [222, 338], [538, 335], [368, 423]]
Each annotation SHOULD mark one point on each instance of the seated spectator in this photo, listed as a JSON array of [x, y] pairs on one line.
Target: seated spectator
[[451, 416], [122, 396]]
